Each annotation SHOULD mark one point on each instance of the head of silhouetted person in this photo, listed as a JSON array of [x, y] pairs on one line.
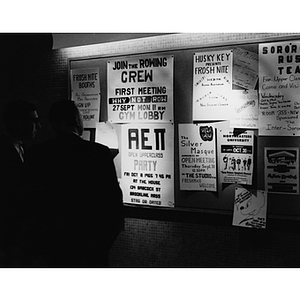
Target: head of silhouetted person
[[21, 119], [65, 117]]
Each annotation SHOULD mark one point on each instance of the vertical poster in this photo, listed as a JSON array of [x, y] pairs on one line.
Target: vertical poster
[[282, 170], [279, 89], [236, 157], [140, 89], [85, 86], [148, 164], [244, 109], [212, 84], [250, 210], [245, 68], [197, 156]]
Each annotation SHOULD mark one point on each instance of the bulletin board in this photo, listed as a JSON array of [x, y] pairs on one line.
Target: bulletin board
[[219, 196]]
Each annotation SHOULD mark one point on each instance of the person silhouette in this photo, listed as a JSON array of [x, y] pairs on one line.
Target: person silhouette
[[21, 124], [79, 205]]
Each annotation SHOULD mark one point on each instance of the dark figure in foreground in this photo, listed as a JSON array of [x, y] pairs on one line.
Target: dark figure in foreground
[[21, 123], [78, 207]]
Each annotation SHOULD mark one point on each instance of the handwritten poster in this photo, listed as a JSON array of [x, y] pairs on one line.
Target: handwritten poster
[[282, 170], [140, 89], [250, 210], [197, 155], [245, 68], [148, 164], [279, 89], [244, 109], [85, 85], [212, 83], [236, 157]]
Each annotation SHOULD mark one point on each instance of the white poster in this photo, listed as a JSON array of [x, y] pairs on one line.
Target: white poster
[[244, 109], [197, 154], [282, 170], [140, 89], [148, 164], [212, 84], [250, 210], [85, 85], [236, 156], [279, 89]]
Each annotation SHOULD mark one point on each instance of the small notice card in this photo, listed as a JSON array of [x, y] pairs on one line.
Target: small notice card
[[250, 210]]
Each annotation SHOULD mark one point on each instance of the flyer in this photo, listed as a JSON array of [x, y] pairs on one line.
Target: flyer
[[250, 210], [236, 157], [197, 156], [244, 109], [245, 68], [140, 89], [212, 84], [282, 170], [85, 86], [279, 89], [148, 164]]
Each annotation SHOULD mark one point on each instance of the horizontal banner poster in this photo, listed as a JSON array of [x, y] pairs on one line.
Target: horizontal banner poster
[[140, 89], [148, 164]]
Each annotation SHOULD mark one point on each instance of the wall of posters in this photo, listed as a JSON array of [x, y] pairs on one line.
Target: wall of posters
[[212, 83], [250, 210], [85, 86], [227, 103], [148, 164], [197, 154], [140, 89], [279, 89], [282, 170], [236, 157]]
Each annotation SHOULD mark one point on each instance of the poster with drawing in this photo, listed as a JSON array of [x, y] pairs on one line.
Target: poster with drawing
[[235, 156], [85, 92], [212, 84], [197, 154], [245, 68], [140, 89], [244, 109], [279, 89], [147, 155], [282, 170], [250, 209]]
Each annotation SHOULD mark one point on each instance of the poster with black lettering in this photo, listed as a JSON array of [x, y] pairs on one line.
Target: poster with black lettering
[[235, 156], [250, 209], [279, 89], [197, 154], [85, 92], [245, 68], [140, 89], [282, 170], [148, 164], [212, 84]]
